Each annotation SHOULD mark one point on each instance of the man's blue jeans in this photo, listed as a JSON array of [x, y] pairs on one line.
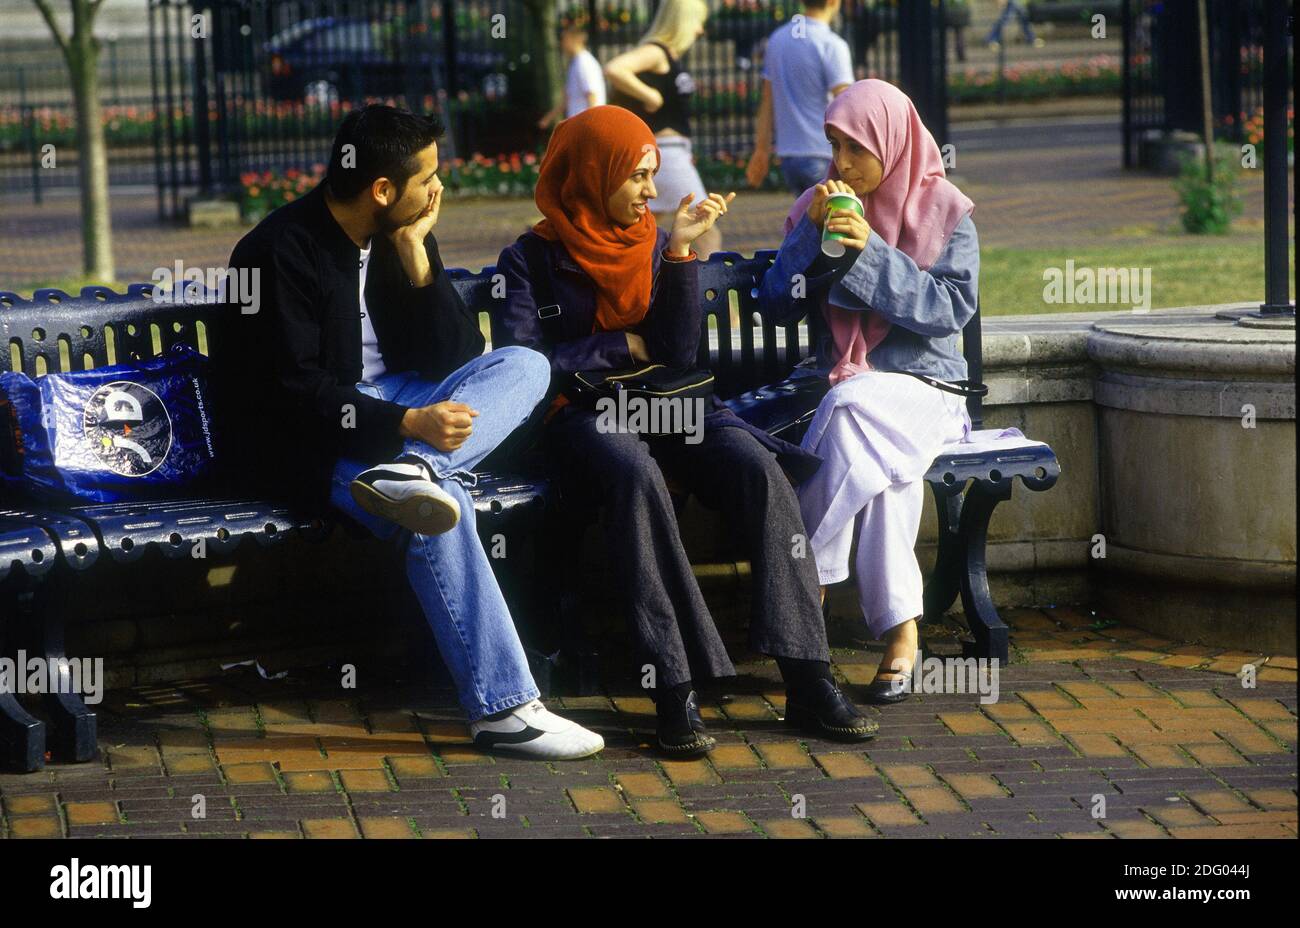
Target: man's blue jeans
[[802, 172], [450, 573], [1012, 8]]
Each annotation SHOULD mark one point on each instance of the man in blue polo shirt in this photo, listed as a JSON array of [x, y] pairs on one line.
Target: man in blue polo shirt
[[806, 66]]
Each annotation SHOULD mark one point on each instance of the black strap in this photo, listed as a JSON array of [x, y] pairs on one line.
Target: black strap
[[961, 387], [539, 279]]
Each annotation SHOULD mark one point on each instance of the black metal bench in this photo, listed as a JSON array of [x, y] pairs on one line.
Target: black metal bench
[[55, 331]]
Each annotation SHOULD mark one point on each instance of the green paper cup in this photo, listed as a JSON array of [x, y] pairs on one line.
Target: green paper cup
[[832, 244]]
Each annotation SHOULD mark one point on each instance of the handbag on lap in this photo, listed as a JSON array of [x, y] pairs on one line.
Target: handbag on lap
[[644, 381]]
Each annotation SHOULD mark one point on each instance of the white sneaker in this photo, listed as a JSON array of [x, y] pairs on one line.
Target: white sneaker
[[532, 730], [403, 493]]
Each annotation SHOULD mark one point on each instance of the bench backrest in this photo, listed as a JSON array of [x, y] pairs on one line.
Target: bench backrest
[[55, 331]]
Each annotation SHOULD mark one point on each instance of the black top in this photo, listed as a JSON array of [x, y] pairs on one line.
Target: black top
[[676, 88], [289, 371]]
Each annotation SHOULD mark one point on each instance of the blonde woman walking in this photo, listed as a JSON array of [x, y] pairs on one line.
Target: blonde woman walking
[[650, 81]]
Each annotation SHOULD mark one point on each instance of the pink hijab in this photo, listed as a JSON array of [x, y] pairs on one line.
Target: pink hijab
[[915, 208]]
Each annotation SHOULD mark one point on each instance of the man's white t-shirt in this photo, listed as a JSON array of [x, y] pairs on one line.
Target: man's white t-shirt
[[372, 362], [584, 77]]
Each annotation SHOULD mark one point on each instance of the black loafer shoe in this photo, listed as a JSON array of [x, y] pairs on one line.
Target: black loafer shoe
[[823, 710], [681, 731], [888, 692]]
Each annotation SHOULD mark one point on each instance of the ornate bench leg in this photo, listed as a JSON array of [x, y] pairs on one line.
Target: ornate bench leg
[[22, 736], [72, 725], [945, 579], [990, 633]]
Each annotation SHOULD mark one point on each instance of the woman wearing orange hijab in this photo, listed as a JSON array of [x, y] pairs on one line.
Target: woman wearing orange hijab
[[619, 290]]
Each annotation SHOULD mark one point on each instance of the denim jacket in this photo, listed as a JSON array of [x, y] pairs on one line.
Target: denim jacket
[[927, 309]]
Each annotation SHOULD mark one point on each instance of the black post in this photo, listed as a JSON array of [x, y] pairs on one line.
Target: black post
[[939, 74], [1226, 41], [1278, 23], [225, 54], [169, 114], [29, 134], [1180, 77], [455, 112], [202, 131], [157, 108], [917, 70]]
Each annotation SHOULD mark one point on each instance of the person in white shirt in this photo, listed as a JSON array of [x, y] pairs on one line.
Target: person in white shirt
[[584, 85]]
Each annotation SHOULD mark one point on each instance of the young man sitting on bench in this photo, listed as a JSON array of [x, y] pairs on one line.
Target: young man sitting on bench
[[361, 380]]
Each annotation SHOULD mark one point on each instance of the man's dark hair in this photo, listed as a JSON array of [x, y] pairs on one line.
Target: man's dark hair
[[385, 142]]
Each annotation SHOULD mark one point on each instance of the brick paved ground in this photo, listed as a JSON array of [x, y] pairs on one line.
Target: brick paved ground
[[1164, 732]]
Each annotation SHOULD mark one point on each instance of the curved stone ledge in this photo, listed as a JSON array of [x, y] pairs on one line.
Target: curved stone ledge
[[1202, 571], [1208, 347], [1172, 396]]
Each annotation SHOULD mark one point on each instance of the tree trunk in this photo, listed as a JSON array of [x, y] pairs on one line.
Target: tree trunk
[[92, 154]]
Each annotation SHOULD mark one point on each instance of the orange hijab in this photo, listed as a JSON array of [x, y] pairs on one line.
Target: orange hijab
[[589, 157]]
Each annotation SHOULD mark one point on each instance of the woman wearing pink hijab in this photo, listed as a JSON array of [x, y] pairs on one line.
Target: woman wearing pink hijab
[[894, 305]]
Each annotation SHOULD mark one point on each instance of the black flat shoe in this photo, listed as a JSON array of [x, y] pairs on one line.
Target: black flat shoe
[[822, 709], [681, 731], [888, 692]]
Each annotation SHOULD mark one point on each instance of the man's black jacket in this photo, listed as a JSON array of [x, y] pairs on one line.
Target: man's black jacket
[[288, 373]]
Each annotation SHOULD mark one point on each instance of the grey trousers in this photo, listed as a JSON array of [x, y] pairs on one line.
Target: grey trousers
[[623, 474]]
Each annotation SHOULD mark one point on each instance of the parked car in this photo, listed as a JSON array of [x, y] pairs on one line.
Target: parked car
[[329, 58], [1073, 11]]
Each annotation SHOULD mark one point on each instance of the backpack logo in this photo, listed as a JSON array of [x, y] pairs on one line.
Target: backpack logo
[[128, 428]]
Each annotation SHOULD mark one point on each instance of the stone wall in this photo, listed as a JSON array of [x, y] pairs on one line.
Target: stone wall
[[1144, 411]]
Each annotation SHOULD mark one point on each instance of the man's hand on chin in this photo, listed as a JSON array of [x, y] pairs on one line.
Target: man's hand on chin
[[409, 242]]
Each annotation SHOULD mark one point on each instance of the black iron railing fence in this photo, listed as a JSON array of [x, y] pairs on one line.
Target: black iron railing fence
[[1251, 46], [36, 110], [258, 85], [270, 81], [1162, 67]]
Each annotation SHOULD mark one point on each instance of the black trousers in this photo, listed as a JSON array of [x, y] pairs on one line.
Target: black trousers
[[623, 476]]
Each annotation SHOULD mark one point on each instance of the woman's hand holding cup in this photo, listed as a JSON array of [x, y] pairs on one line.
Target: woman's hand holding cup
[[838, 212], [817, 208]]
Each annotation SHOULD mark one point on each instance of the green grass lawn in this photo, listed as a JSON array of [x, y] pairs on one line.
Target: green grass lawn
[[1187, 271], [72, 283]]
